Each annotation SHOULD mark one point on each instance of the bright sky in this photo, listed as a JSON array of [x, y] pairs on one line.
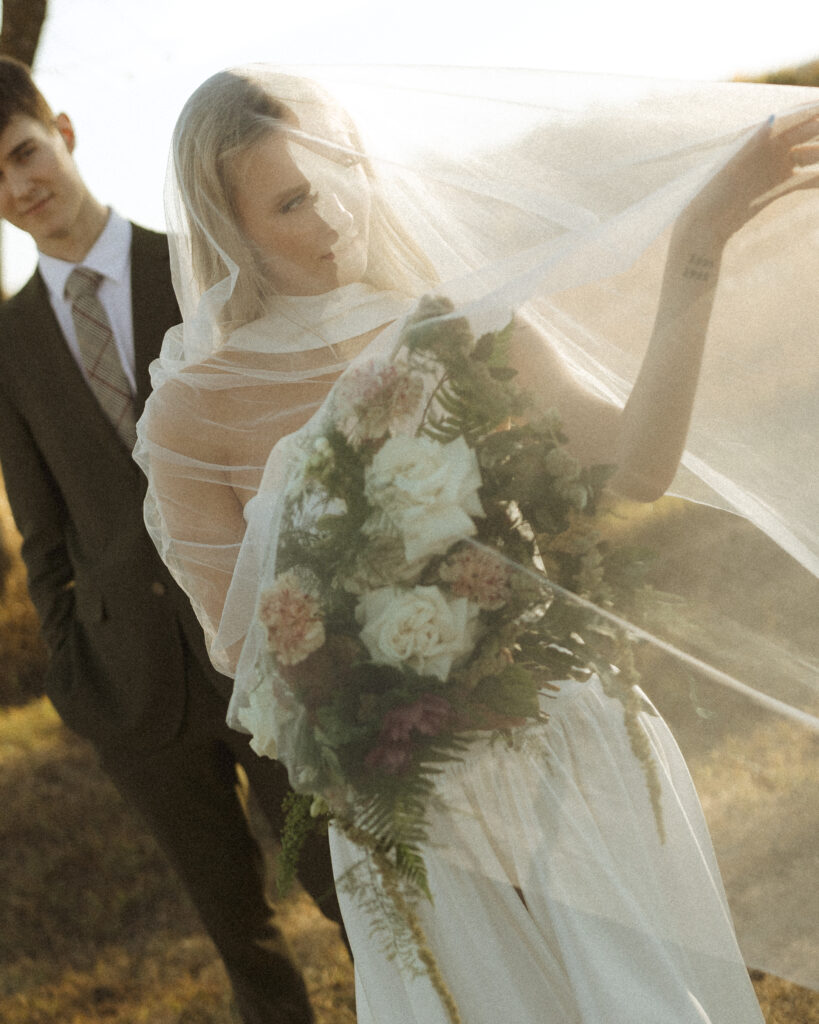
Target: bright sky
[[123, 68]]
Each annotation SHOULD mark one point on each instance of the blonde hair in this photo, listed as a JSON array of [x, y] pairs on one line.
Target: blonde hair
[[227, 114]]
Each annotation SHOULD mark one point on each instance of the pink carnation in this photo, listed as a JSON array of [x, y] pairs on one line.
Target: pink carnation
[[480, 576], [292, 616], [373, 400]]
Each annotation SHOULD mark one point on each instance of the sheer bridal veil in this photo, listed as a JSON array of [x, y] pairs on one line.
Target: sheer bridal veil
[[550, 197]]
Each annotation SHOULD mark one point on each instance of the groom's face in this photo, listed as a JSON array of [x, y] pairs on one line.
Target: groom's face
[[41, 191]]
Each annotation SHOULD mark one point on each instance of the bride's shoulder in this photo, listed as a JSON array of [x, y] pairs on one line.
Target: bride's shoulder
[[183, 413]]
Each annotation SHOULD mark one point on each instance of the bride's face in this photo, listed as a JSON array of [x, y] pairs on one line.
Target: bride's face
[[307, 212]]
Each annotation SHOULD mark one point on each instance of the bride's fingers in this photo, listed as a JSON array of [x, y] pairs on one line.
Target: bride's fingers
[[805, 154], [803, 178], [795, 183], [801, 125], [775, 160], [788, 154]]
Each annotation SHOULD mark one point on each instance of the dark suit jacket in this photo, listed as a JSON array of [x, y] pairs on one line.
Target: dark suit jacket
[[111, 614]]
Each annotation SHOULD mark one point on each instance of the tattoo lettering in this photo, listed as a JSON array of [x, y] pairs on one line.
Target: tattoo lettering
[[698, 268]]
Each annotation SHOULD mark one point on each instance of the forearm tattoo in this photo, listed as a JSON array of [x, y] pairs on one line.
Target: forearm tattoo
[[698, 268]]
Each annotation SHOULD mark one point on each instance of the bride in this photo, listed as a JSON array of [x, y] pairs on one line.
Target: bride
[[562, 889]]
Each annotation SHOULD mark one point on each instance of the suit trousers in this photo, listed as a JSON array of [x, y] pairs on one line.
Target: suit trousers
[[188, 792]]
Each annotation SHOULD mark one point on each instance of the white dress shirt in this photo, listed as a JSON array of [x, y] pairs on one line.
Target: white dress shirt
[[110, 256]]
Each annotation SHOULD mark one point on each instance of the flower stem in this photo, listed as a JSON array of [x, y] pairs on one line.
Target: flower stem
[[444, 378], [389, 876]]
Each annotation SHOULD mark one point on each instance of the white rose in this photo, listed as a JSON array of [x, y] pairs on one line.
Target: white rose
[[258, 718], [421, 628], [429, 491]]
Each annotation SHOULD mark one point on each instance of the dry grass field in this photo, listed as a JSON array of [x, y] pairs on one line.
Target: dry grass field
[[93, 926]]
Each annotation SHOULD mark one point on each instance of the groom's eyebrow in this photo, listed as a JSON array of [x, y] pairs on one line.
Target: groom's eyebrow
[[12, 154]]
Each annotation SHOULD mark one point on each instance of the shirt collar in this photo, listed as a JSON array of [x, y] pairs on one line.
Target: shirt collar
[[110, 255]]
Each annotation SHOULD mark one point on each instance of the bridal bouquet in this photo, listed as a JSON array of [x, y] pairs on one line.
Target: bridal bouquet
[[426, 560]]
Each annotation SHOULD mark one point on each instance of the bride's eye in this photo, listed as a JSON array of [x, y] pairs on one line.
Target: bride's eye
[[302, 199]]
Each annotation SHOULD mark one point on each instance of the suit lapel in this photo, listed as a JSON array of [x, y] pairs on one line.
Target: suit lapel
[[50, 368], [47, 355], [55, 387], [153, 304]]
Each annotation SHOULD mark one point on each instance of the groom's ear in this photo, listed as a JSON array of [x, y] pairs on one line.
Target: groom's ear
[[62, 122]]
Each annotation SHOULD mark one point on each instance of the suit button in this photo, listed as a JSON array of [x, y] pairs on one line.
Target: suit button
[[158, 588]]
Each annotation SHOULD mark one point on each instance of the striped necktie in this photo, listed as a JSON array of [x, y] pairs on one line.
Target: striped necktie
[[99, 354]]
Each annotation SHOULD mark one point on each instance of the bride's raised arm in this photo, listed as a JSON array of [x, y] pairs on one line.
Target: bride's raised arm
[[646, 439]]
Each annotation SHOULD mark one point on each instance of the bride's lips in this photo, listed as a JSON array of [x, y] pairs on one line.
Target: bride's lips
[[340, 249]]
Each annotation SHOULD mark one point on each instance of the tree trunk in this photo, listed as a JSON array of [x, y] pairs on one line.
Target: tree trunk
[[22, 24]]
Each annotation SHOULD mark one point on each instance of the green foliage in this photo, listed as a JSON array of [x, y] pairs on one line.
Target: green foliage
[[513, 692], [298, 824], [474, 395], [800, 74]]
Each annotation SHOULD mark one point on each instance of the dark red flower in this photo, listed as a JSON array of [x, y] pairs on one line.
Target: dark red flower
[[392, 758], [430, 715]]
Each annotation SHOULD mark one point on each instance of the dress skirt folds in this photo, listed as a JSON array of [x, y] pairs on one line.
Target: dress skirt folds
[[555, 899]]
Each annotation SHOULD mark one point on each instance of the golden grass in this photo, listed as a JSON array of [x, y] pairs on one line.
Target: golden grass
[[93, 926], [22, 654]]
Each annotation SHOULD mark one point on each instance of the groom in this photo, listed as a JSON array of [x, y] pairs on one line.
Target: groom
[[128, 667]]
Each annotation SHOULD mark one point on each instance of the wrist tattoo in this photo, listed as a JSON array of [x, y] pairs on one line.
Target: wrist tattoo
[[698, 268]]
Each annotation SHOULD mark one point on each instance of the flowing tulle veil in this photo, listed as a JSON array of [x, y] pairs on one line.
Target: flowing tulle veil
[[549, 197]]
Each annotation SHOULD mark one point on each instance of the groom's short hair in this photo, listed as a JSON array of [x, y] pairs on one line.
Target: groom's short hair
[[19, 94]]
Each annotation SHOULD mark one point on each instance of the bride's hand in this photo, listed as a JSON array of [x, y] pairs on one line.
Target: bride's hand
[[780, 157]]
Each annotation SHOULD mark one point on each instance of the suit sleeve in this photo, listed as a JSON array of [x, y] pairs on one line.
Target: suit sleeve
[[39, 512]]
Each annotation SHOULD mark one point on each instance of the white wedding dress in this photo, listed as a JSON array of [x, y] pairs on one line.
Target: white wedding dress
[[554, 900]]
